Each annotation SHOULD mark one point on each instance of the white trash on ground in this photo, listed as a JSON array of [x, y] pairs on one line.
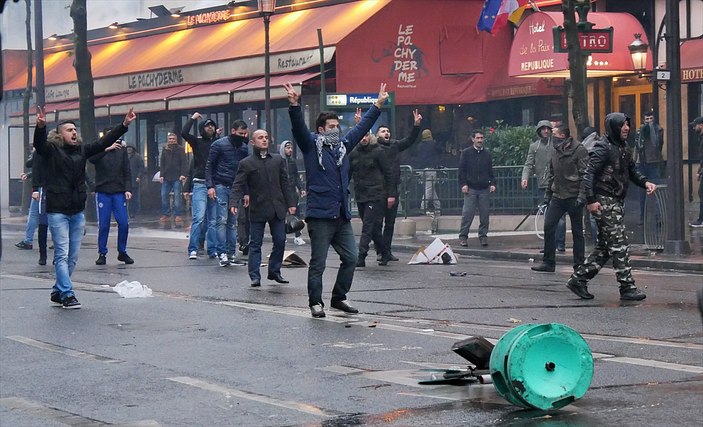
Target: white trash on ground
[[132, 290]]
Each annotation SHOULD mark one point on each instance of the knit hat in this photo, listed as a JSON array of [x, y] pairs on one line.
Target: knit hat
[[697, 121], [427, 135]]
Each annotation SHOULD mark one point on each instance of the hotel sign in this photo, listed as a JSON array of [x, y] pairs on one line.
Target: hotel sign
[[691, 75], [591, 41]]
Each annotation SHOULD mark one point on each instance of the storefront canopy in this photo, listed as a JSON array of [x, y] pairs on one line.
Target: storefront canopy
[[532, 52], [426, 52], [692, 61], [214, 44]]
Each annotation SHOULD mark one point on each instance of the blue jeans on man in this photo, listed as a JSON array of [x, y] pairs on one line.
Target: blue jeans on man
[[204, 213], [225, 227], [256, 238], [166, 188], [67, 234], [109, 204], [323, 233], [472, 200]]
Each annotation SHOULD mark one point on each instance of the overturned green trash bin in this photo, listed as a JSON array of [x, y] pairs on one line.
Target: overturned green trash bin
[[544, 366]]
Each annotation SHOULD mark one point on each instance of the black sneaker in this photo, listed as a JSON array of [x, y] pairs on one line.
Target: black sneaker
[[632, 294], [101, 260], [695, 224], [71, 303], [23, 245], [125, 258], [56, 298], [42, 260], [361, 262], [543, 267], [579, 287], [317, 311]]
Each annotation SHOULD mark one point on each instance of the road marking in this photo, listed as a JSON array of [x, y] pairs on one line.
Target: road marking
[[63, 417], [63, 350], [657, 364], [256, 397], [368, 320]]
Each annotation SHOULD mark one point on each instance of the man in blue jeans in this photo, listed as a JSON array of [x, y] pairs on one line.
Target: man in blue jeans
[[37, 207], [477, 182], [66, 195], [220, 170], [262, 182], [327, 212], [202, 205]]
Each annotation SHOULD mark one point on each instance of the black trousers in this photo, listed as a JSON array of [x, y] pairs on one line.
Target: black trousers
[[371, 214], [555, 211], [389, 225]]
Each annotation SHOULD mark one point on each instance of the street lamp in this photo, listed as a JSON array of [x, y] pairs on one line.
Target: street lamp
[[638, 51], [266, 9]]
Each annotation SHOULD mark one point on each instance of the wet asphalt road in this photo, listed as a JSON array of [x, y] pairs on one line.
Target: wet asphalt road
[[208, 350]]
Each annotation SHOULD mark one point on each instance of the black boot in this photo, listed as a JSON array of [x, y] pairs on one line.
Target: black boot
[[361, 261], [42, 237]]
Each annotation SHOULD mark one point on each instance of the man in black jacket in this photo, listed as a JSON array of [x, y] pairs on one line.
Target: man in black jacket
[[393, 149], [610, 168], [172, 175], [202, 207], [565, 170], [477, 182], [262, 180], [113, 188], [136, 170], [66, 195], [373, 179], [295, 182], [37, 207]]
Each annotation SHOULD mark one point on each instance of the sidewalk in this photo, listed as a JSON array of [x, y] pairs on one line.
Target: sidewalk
[[516, 245]]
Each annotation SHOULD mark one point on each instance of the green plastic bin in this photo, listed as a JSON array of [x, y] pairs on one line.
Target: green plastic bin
[[545, 366]]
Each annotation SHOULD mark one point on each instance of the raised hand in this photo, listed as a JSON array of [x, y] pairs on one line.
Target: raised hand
[[196, 116], [417, 117], [382, 96], [130, 117], [41, 117], [357, 116], [293, 96]]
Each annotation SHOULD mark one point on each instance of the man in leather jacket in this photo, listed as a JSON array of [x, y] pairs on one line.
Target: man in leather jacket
[[609, 171]]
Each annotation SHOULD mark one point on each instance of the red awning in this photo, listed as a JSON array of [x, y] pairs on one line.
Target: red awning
[[289, 32], [532, 52], [158, 95], [692, 61], [425, 55]]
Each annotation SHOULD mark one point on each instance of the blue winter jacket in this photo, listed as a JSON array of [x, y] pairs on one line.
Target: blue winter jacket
[[223, 162], [328, 188]]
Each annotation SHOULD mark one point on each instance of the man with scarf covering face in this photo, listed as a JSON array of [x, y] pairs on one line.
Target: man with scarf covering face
[[220, 170], [610, 168], [327, 210]]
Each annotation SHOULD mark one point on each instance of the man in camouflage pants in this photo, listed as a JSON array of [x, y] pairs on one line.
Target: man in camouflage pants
[[609, 171]]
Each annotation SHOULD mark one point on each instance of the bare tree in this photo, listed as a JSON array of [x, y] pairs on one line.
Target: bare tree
[[27, 97], [84, 73], [577, 67]]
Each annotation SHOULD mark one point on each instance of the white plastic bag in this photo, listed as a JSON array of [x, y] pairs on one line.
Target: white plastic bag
[[132, 290]]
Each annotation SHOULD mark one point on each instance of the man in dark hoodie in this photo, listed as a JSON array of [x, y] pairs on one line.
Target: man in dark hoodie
[[649, 143], [564, 174], [610, 168], [113, 188], [174, 168], [220, 170], [536, 164], [201, 205], [136, 170], [373, 179], [393, 149], [66, 195]]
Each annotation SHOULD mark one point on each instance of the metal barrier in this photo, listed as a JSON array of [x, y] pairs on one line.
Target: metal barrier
[[655, 214], [509, 198]]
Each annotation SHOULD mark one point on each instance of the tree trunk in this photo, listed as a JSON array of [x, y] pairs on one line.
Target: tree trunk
[[84, 73], [26, 185], [577, 69]]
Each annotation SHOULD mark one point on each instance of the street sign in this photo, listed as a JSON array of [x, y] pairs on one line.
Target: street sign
[[354, 99], [591, 41]]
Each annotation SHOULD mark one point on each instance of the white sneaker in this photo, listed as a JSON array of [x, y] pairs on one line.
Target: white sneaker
[[224, 260], [193, 255], [299, 241]]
